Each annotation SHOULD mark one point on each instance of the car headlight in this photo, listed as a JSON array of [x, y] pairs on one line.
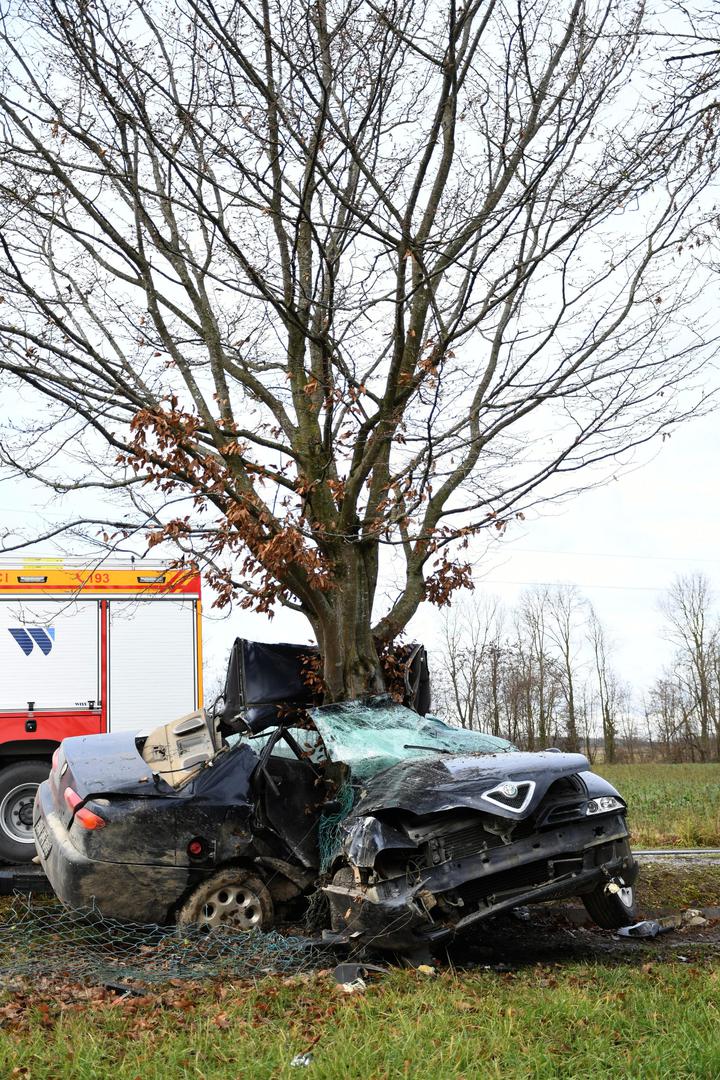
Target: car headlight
[[604, 805]]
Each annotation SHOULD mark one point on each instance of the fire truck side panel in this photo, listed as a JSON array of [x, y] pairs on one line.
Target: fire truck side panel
[[152, 662], [47, 731], [92, 648], [49, 655]]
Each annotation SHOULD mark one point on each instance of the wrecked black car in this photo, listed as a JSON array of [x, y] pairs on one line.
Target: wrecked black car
[[413, 831]]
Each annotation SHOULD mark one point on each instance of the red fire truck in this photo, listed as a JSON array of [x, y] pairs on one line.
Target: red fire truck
[[87, 649]]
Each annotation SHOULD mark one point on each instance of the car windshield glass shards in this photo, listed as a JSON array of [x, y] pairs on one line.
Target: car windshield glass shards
[[373, 735]]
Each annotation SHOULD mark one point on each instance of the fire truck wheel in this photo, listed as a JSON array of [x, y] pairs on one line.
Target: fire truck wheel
[[18, 784]]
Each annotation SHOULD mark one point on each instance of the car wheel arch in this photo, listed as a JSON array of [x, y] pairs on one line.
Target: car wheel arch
[[258, 906], [199, 874]]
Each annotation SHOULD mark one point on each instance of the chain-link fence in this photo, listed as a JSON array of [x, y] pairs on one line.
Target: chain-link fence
[[43, 938]]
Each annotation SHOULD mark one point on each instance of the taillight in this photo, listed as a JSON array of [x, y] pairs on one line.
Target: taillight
[[85, 817]]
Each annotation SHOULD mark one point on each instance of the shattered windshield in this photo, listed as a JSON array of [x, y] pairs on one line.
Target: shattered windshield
[[371, 736]]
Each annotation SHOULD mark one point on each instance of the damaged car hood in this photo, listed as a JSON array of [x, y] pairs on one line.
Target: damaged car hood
[[434, 784]]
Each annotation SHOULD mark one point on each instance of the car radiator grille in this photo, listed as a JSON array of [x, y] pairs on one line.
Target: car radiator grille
[[558, 814], [520, 878], [469, 840], [563, 801]]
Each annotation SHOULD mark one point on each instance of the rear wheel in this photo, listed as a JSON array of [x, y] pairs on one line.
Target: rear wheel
[[18, 784], [611, 910], [233, 899]]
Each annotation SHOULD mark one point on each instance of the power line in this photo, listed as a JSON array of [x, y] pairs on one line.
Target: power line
[[577, 584], [16, 510], [612, 555]]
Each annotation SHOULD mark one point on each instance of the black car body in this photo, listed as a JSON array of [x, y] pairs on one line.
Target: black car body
[[413, 830]]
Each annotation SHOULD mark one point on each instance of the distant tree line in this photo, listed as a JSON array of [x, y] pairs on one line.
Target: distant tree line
[[542, 674]]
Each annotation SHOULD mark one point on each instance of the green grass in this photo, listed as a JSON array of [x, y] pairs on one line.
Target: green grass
[[669, 805], [579, 1021]]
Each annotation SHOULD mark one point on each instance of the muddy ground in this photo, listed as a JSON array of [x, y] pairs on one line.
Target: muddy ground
[[562, 933], [550, 936]]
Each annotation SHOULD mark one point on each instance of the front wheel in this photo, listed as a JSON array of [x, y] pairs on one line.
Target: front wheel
[[611, 910], [18, 784]]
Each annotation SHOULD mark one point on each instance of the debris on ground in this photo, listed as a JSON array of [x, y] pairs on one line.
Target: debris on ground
[[42, 940], [693, 917], [648, 928], [522, 914], [301, 1061], [348, 973], [357, 986]]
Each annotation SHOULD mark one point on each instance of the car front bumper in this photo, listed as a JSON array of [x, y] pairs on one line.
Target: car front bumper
[[399, 913]]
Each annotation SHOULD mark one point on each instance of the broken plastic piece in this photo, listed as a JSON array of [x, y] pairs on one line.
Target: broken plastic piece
[[123, 990], [349, 973], [301, 1061], [521, 913], [648, 928]]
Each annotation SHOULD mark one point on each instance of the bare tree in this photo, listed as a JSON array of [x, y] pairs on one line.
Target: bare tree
[[627, 721], [606, 685], [691, 627], [566, 611], [305, 282], [544, 683], [467, 678]]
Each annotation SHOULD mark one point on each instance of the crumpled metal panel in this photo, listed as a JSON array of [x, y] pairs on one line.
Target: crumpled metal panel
[[368, 836], [452, 782], [371, 736]]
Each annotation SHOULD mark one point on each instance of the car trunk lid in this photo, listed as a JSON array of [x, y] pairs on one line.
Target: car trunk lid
[[100, 765]]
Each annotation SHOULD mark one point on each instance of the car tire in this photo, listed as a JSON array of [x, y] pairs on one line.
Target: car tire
[[611, 910], [231, 899], [18, 784]]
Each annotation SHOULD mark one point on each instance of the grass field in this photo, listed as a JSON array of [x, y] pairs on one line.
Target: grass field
[[670, 805], [655, 1022]]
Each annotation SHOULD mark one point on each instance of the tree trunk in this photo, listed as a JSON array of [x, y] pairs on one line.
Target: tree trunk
[[343, 627], [608, 732], [573, 743]]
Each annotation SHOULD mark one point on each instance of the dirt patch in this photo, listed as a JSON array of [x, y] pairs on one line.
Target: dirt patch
[[562, 933], [550, 937]]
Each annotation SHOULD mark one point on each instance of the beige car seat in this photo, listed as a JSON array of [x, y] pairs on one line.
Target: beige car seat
[[178, 750]]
